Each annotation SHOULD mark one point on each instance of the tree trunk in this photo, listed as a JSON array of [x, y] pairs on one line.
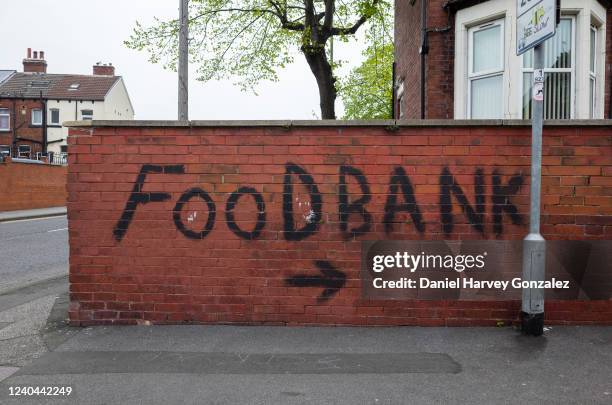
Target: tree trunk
[[322, 71]]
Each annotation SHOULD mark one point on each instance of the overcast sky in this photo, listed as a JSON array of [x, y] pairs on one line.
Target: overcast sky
[[74, 34]]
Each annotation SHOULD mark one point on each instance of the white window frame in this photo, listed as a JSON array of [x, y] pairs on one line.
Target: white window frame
[[24, 154], [571, 70], [51, 110], [593, 72], [90, 116], [7, 148], [471, 76], [36, 123], [8, 115]]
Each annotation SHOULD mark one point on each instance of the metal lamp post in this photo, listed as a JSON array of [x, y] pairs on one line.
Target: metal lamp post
[[536, 22]]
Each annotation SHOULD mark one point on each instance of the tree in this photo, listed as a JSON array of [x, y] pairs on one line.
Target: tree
[[250, 39], [367, 92]]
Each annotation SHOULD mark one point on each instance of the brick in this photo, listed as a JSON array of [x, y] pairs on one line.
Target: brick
[[163, 273]]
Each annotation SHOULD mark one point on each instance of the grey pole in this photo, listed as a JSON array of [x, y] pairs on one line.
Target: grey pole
[[183, 63], [534, 245]]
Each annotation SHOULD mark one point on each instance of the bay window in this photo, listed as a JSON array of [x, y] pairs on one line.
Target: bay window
[[491, 81], [486, 70]]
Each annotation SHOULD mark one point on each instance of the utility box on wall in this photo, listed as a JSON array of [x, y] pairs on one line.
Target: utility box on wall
[[232, 222]]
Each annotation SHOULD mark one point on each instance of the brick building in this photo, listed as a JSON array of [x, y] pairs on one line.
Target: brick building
[[456, 59], [34, 104]]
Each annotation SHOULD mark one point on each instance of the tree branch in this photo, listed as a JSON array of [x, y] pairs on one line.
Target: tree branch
[[330, 6], [353, 29]]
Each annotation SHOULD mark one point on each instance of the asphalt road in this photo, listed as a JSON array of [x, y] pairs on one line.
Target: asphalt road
[[33, 290], [32, 251]]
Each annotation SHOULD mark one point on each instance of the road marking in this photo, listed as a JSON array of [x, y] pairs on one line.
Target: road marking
[[57, 230]]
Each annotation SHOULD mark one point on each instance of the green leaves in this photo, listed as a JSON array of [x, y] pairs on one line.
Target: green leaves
[[250, 40], [367, 92]]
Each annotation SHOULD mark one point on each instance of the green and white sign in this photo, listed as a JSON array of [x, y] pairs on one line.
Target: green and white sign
[[536, 22]]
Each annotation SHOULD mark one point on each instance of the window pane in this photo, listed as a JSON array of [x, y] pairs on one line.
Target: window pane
[[528, 59], [527, 79], [487, 50], [486, 97], [87, 114], [4, 118], [36, 116], [557, 90], [557, 95], [557, 50], [55, 116]]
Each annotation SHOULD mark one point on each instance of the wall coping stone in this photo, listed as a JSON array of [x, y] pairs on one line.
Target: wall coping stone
[[390, 124]]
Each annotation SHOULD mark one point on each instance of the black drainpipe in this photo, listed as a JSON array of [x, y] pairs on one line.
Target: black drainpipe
[[423, 51], [13, 152], [43, 103], [393, 95]]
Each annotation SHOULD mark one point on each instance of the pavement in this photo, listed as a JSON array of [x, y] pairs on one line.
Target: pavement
[[29, 214], [195, 364], [188, 364]]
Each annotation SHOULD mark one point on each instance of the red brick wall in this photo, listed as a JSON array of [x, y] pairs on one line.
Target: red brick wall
[[407, 57], [25, 186], [22, 122], [439, 72], [128, 270]]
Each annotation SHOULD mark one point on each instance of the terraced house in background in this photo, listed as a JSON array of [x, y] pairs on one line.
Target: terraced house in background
[[457, 59], [34, 104]]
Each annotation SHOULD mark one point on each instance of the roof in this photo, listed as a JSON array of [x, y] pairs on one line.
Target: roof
[[58, 86], [5, 74]]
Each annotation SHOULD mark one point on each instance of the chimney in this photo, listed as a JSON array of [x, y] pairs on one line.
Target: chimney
[[100, 69], [35, 63]]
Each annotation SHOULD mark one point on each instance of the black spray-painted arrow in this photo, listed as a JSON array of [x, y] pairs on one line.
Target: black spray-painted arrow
[[332, 279]]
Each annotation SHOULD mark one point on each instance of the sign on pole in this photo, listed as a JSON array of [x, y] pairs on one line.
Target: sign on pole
[[535, 23], [538, 84]]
